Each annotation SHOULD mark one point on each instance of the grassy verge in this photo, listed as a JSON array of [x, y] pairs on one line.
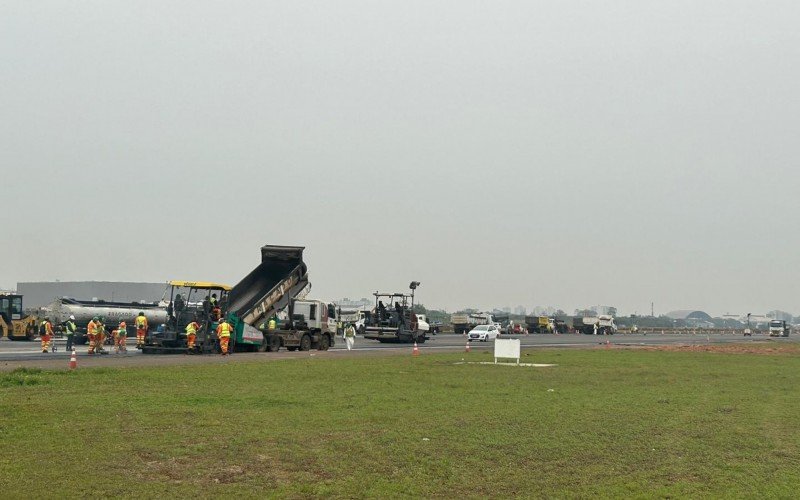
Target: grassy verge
[[603, 422]]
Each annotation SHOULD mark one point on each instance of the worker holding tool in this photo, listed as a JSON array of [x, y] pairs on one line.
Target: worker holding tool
[[191, 335], [46, 333], [69, 329], [121, 337], [141, 329], [91, 332], [224, 336]]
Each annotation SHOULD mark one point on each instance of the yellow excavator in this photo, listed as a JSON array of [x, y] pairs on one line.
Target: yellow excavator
[[14, 324]]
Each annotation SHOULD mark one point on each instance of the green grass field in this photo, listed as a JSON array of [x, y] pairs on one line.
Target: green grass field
[[609, 423]]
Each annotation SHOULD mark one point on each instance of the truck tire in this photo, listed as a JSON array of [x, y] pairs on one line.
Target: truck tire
[[421, 339], [263, 346], [305, 342], [274, 343], [324, 343]]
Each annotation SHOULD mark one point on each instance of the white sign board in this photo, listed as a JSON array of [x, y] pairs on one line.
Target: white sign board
[[506, 348]]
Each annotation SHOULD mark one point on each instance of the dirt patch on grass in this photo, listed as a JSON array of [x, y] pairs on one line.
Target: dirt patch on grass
[[761, 349]]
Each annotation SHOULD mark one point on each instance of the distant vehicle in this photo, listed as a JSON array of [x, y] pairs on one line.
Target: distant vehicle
[[463, 322], [605, 325], [426, 325], [483, 333], [778, 328], [539, 324], [393, 320]]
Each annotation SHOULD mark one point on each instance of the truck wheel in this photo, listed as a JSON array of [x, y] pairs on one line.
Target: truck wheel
[[274, 343], [421, 339], [305, 342], [324, 343], [263, 346]]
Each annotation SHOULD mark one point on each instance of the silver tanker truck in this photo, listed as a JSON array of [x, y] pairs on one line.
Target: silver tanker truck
[[61, 309]]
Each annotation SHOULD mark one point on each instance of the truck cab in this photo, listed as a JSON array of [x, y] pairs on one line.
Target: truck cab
[[315, 315], [778, 328]]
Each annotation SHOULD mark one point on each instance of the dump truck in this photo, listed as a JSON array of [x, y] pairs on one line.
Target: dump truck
[[605, 324], [271, 288], [463, 322], [14, 323], [395, 321], [539, 324]]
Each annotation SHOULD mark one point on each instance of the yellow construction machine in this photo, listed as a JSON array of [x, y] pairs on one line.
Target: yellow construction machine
[[14, 323]]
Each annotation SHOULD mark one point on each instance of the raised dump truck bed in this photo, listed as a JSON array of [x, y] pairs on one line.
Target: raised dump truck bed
[[281, 275], [269, 288]]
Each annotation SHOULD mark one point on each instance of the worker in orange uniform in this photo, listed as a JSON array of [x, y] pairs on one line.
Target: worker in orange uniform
[[91, 332], [191, 335], [224, 335], [141, 329], [120, 337], [46, 333], [216, 313]]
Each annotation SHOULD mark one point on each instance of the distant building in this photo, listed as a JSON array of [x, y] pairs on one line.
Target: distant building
[[686, 314], [780, 315], [38, 294], [691, 318]]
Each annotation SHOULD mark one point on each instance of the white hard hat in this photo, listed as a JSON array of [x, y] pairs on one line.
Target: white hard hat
[[72, 317]]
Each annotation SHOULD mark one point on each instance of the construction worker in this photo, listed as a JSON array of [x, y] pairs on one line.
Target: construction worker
[[213, 300], [101, 335], [224, 335], [121, 335], [273, 323], [191, 335], [69, 329], [46, 333], [216, 313], [91, 332], [349, 335], [141, 329]]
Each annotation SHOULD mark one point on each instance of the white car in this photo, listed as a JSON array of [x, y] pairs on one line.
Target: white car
[[483, 333]]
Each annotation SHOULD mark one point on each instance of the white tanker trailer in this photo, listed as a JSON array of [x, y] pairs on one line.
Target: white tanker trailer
[[61, 309]]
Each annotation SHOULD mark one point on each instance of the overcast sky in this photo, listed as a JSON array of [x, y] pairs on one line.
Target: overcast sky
[[503, 153]]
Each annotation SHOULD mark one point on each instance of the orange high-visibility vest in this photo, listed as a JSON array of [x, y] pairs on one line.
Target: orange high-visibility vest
[[91, 328]]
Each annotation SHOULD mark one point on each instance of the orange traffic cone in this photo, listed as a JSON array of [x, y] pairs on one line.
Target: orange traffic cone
[[608, 344], [73, 360], [467, 349], [415, 352]]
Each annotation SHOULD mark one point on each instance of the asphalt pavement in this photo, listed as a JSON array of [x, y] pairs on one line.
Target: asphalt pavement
[[20, 351]]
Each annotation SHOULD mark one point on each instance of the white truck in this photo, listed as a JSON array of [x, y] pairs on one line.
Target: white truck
[[604, 322], [463, 322], [778, 328]]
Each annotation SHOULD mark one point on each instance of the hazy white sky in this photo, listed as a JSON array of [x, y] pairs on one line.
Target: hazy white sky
[[503, 153]]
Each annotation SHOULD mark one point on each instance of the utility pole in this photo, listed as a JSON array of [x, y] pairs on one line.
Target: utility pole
[[652, 314]]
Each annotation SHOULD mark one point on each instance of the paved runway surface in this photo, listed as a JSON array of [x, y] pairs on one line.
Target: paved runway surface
[[23, 351]]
